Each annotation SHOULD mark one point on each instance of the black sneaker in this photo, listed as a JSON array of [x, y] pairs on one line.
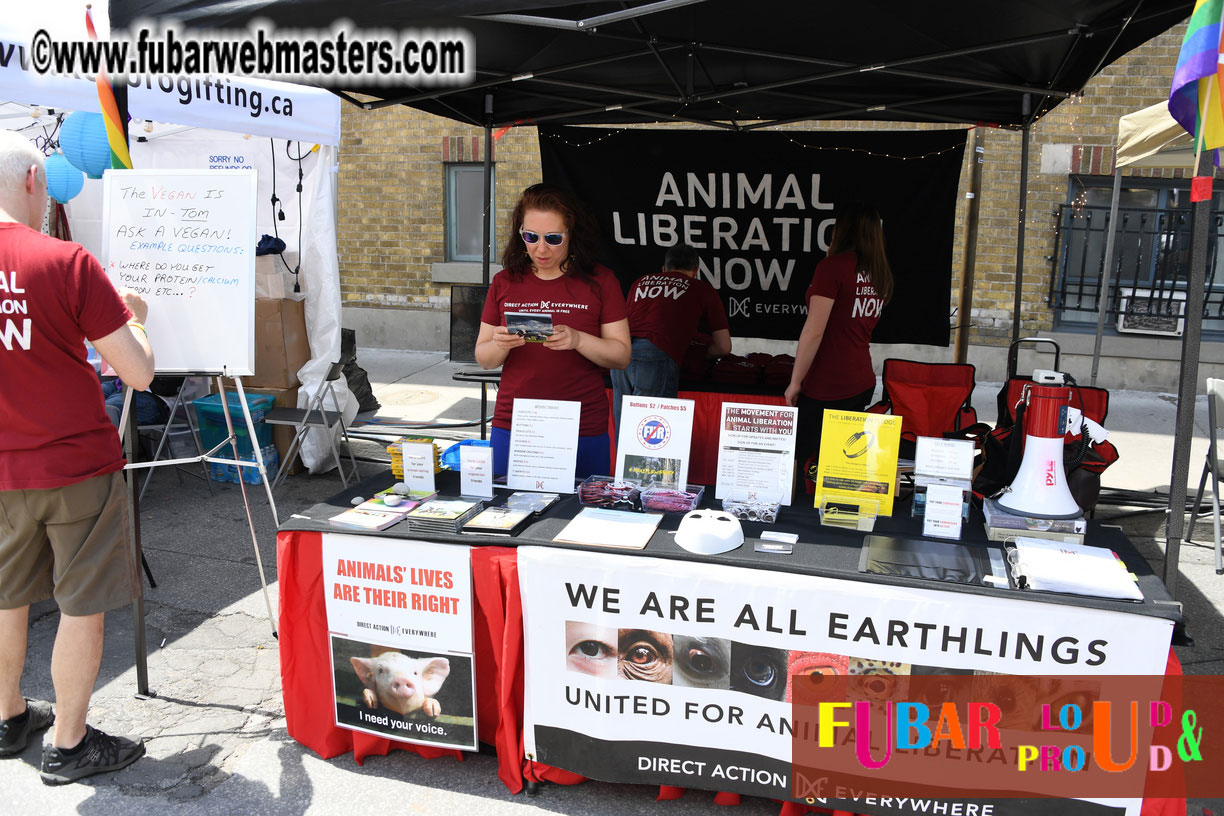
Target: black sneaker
[[14, 738], [99, 752]]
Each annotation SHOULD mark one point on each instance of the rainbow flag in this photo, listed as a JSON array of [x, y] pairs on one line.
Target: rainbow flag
[[114, 109]]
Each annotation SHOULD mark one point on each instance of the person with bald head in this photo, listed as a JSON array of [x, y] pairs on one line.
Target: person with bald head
[[63, 507]]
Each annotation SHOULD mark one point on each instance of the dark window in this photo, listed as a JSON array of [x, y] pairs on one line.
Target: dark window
[[465, 213]]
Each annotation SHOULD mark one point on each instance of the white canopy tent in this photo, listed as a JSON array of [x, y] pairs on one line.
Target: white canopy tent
[[1152, 138], [193, 124], [1146, 138]]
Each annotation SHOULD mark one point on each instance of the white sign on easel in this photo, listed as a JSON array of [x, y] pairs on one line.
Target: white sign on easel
[[756, 452], [543, 445], [654, 440], [184, 240]]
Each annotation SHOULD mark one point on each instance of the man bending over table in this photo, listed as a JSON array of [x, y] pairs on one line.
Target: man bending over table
[[665, 310], [63, 511]]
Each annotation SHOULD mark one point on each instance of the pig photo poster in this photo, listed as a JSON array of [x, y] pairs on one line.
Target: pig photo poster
[[432, 703], [399, 619]]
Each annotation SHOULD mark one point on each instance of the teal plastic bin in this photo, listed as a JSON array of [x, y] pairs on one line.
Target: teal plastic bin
[[250, 475], [451, 457], [212, 422]]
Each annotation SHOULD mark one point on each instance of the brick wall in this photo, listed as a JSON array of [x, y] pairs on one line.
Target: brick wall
[[392, 199], [392, 192], [1088, 125]]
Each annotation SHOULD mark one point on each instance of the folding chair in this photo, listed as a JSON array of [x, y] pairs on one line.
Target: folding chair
[[179, 424], [932, 399], [316, 416], [1215, 393]]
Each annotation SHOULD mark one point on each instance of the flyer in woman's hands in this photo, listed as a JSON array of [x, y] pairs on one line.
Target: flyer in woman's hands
[[534, 327]]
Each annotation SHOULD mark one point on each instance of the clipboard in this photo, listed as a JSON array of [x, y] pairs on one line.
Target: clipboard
[[1041, 565]]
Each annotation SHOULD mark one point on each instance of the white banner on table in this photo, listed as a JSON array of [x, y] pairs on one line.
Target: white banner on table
[[654, 440], [756, 452], [399, 621], [654, 671], [543, 445]]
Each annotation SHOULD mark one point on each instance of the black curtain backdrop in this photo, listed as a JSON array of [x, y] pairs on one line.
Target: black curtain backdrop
[[759, 207]]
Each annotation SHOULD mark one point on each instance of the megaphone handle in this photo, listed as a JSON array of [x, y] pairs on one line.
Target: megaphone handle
[[1015, 448], [1074, 461]]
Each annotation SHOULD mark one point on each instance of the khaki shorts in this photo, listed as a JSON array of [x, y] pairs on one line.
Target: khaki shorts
[[68, 542]]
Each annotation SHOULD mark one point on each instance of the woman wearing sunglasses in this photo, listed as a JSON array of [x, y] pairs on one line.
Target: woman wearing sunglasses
[[550, 269]]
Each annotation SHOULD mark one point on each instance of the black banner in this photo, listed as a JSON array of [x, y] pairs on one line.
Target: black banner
[[660, 763], [759, 207]]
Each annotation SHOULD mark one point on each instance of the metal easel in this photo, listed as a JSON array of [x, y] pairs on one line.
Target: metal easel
[[127, 422]]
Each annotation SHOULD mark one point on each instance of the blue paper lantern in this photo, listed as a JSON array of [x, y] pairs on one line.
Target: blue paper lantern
[[63, 180], [83, 140]]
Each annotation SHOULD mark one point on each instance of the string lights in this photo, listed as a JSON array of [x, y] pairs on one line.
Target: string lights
[[587, 143], [796, 142], [874, 154]]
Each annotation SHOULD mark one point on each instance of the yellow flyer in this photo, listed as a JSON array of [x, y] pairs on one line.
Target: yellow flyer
[[858, 458]]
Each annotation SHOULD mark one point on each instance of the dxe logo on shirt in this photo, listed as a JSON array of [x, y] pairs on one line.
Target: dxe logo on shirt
[[547, 306]]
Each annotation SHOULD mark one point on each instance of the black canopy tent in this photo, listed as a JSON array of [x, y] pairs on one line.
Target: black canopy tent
[[745, 66], [725, 63]]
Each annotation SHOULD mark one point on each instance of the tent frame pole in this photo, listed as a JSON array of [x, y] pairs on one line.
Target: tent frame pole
[[976, 157], [507, 79], [1022, 216], [1175, 518], [488, 238], [1103, 298], [588, 23]]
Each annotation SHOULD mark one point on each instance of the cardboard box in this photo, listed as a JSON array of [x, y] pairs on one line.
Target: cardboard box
[[281, 345], [282, 435], [269, 282]]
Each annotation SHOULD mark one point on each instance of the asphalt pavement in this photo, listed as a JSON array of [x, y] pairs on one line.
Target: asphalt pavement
[[214, 724]]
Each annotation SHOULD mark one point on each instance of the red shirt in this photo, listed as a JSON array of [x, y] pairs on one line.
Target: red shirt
[[667, 307], [53, 296], [842, 367], [535, 372]]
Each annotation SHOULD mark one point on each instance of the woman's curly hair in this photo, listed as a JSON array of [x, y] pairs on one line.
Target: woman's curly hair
[[580, 225]]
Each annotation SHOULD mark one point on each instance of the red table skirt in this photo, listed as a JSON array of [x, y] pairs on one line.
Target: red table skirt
[[306, 673], [498, 644], [707, 412]]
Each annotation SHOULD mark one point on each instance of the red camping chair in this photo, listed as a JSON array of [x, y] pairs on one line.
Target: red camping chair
[[932, 399], [1013, 387]]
